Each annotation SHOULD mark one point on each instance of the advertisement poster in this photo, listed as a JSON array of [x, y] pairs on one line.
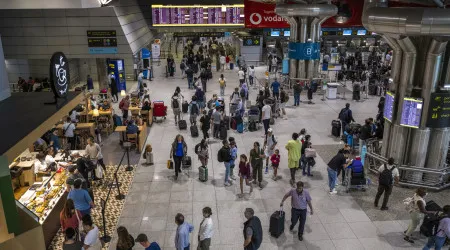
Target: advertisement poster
[[156, 51], [262, 15]]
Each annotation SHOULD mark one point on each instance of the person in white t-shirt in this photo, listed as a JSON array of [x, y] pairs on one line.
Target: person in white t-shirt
[[73, 116], [93, 151], [39, 163], [274, 64], [92, 240], [206, 229], [241, 75], [251, 74], [223, 61], [68, 129], [266, 115]]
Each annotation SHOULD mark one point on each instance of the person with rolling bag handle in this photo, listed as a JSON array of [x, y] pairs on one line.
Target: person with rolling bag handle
[[201, 150], [300, 201], [175, 104], [442, 230]]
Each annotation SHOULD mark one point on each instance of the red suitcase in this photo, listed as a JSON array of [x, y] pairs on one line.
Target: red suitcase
[[159, 110]]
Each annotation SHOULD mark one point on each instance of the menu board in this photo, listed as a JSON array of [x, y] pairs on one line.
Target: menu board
[[411, 112], [201, 15], [389, 101], [439, 111]]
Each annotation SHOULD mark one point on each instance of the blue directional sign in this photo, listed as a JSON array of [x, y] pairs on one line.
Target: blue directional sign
[[304, 51]]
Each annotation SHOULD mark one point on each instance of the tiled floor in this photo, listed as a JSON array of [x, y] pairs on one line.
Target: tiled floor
[[339, 222]]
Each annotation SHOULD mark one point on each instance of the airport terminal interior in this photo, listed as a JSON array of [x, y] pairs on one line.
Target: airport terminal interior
[[233, 124]]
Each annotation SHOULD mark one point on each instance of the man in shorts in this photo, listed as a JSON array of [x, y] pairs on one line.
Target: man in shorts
[[270, 143]]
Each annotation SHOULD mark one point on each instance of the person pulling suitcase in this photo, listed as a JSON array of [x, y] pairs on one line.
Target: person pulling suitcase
[[300, 200]]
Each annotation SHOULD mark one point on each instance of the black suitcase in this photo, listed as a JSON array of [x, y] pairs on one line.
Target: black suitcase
[[226, 121], [187, 162], [432, 206], [276, 227], [182, 124], [336, 128], [194, 131], [185, 107]]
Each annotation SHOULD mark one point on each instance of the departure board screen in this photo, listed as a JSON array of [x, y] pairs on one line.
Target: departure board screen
[[389, 106], [193, 15], [411, 112]]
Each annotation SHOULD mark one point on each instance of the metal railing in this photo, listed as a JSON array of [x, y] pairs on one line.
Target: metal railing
[[433, 179]]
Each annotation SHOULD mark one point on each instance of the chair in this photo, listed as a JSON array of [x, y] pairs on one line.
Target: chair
[[135, 112], [144, 114], [133, 139]]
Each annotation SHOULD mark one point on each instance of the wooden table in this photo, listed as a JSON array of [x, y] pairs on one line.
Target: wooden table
[[149, 116], [142, 136]]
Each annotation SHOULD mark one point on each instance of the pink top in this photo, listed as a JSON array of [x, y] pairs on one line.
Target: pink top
[[275, 159]]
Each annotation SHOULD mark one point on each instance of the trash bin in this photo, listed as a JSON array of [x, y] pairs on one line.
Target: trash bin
[[332, 90]]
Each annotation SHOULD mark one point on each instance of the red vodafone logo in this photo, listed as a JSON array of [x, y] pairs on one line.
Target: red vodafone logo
[[262, 15], [255, 18]]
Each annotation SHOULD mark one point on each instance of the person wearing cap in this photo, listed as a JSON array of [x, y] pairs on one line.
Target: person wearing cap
[[143, 240], [269, 145]]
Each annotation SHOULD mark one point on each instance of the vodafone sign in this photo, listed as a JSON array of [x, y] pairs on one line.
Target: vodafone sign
[[262, 15]]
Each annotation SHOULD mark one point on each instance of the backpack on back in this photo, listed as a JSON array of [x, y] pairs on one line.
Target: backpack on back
[[194, 109], [223, 155], [386, 176], [175, 104], [242, 93], [344, 115], [222, 82]]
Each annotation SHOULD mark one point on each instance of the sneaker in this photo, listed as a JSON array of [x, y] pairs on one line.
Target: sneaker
[[227, 184], [333, 192], [233, 177], [408, 239], [337, 184], [291, 228], [384, 208]]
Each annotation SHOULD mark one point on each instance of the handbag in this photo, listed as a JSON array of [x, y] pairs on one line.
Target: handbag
[[80, 226], [99, 172], [310, 153], [169, 164]]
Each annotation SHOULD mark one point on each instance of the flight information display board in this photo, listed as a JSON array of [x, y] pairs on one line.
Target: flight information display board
[[389, 101], [201, 15], [411, 112], [439, 111]]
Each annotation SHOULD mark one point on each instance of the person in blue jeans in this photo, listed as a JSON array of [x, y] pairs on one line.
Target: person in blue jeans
[[225, 154], [297, 91], [178, 151], [339, 161], [275, 89], [443, 232], [81, 198]]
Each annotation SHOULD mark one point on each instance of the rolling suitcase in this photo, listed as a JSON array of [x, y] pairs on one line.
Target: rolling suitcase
[[185, 107], [194, 131], [223, 132], [233, 124], [226, 121], [336, 128], [432, 206], [182, 124], [203, 174], [149, 158], [187, 162], [240, 128], [276, 227]]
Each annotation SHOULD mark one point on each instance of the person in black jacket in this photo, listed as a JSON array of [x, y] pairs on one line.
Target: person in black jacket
[[365, 133], [253, 233], [346, 116]]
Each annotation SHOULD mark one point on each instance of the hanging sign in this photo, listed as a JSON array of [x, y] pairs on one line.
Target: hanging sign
[[59, 74], [439, 111], [262, 15], [251, 41], [304, 51], [101, 33]]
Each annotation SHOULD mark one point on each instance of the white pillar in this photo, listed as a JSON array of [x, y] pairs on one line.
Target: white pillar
[[5, 90]]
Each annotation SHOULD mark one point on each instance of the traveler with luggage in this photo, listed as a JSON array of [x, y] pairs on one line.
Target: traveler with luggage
[[182, 236], [300, 201], [294, 147], [222, 85], [175, 104], [256, 159], [235, 96], [216, 121], [253, 232], [244, 174], [346, 116], [224, 155], [193, 111], [201, 150], [442, 233], [387, 176], [365, 133], [416, 208], [177, 152], [339, 161], [205, 124], [200, 94], [206, 230]]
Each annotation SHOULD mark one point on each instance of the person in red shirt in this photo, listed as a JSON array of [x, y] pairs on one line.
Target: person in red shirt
[[227, 60], [275, 159], [69, 216], [244, 173]]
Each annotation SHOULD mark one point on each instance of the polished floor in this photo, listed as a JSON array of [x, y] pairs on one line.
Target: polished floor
[[339, 221]]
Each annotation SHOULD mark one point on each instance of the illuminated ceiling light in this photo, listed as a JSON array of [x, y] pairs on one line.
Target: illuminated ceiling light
[[104, 2], [224, 8]]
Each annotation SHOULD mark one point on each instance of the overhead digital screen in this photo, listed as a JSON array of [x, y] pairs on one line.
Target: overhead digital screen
[[362, 32], [287, 33], [389, 106], [275, 33], [201, 15], [347, 33], [411, 112]]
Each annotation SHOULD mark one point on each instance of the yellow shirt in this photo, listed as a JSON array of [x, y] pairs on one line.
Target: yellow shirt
[[294, 148]]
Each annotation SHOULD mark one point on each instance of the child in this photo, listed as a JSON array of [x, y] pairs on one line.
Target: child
[[275, 159], [233, 156], [244, 173]]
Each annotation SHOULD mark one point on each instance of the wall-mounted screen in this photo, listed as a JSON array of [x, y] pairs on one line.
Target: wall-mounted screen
[[275, 33], [201, 15], [347, 33], [411, 112], [388, 112], [287, 33], [362, 32]]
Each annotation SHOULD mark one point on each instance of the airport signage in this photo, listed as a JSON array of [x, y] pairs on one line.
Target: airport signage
[[251, 41], [262, 15], [101, 33], [103, 50], [102, 42], [439, 111], [304, 51], [199, 34], [59, 74]]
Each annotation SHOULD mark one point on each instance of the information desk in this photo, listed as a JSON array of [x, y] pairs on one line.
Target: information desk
[[142, 136]]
